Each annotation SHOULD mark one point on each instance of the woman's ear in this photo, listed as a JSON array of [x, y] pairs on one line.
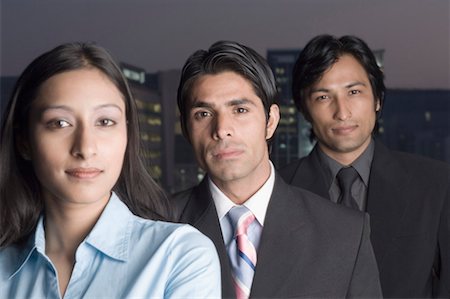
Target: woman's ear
[[272, 122], [23, 148]]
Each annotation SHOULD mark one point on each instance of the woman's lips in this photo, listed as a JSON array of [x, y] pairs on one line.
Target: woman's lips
[[84, 173]]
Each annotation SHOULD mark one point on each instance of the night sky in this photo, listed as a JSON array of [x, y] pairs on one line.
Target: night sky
[[159, 35]]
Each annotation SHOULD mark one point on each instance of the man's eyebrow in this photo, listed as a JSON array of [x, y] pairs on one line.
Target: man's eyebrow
[[234, 102], [353, 84], [350, 85], [322, 89], [201, 104], [237, 102]]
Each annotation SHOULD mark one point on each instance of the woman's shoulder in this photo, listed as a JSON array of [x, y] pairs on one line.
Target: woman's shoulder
[[151, 237], [185, 258], [178, 245], [168, 232]]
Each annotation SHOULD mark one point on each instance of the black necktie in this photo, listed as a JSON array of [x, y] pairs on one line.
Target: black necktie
[[346, 177]]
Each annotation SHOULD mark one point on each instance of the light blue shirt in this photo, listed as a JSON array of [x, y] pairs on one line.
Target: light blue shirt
[[124, 256]]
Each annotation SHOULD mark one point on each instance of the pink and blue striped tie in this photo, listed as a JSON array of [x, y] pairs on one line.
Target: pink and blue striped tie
[[242, 251]]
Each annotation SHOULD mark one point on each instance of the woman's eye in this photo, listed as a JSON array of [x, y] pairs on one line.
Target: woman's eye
[[106, 122], [60, 123], [355, 91]]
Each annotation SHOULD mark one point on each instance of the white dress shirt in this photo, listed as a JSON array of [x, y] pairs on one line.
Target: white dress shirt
[[257, 204]]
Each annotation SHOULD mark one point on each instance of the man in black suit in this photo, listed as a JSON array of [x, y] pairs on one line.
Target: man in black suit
[[339, 88], [273, 240]]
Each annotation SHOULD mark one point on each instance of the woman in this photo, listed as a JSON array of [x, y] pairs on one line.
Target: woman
[[75, 197]]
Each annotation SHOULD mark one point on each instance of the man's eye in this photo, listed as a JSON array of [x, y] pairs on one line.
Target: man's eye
[[322, 97], [60, 123], [202, 114], [241, 110], [355, 91], [106, 122]]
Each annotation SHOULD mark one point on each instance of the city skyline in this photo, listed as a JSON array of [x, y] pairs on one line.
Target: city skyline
[[159, 35]]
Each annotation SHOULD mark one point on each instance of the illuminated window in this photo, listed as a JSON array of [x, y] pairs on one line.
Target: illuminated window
[[153, 121]]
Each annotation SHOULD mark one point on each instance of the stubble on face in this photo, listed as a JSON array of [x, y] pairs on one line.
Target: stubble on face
[[228, 132], [343, 110]]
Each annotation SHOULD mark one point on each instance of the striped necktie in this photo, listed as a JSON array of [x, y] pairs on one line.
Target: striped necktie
[[241, 251]]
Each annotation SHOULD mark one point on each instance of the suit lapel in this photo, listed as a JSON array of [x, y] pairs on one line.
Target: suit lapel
[[284, 227], [201, 213], [386, 202]]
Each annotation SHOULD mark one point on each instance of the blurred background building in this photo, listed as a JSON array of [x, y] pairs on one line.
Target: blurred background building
[[415, 121]]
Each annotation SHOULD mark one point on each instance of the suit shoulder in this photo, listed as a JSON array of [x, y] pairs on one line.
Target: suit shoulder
[[179, 201], [182, 195], [414, 159], [288, 171], [413, 163], [325, 209], [337, 224]]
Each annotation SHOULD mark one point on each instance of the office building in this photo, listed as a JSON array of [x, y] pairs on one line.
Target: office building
[[179, 165], [291, 140], [417, 121], [149, 107]]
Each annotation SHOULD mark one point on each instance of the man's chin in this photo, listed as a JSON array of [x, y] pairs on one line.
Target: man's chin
[[224, 175], [345, 147]]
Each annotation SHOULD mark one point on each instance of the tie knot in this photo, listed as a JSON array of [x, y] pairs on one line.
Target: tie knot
[[346, 177], [240, 218]]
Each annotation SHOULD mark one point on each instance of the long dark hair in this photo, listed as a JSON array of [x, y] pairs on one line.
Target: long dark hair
[[20, 191]]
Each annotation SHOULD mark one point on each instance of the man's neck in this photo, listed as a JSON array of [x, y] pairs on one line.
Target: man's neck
[[242, 189], [345, 158]]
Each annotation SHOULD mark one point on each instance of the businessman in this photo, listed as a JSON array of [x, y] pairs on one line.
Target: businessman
[[339, 88], [274, 240]]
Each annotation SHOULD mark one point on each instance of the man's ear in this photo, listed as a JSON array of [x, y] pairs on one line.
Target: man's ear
[[272, 122], [378, 105]]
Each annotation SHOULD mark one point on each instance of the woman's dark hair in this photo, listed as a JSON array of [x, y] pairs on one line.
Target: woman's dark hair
[[320, 54], [20, 190], [226, 56]]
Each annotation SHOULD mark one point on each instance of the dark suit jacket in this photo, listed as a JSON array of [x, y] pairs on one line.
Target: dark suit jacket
[[408, 204], [309, 246]]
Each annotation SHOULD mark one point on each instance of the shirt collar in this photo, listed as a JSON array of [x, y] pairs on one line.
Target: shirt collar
[[361, 164], [257, 203], [20, 254], [110, 235]]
